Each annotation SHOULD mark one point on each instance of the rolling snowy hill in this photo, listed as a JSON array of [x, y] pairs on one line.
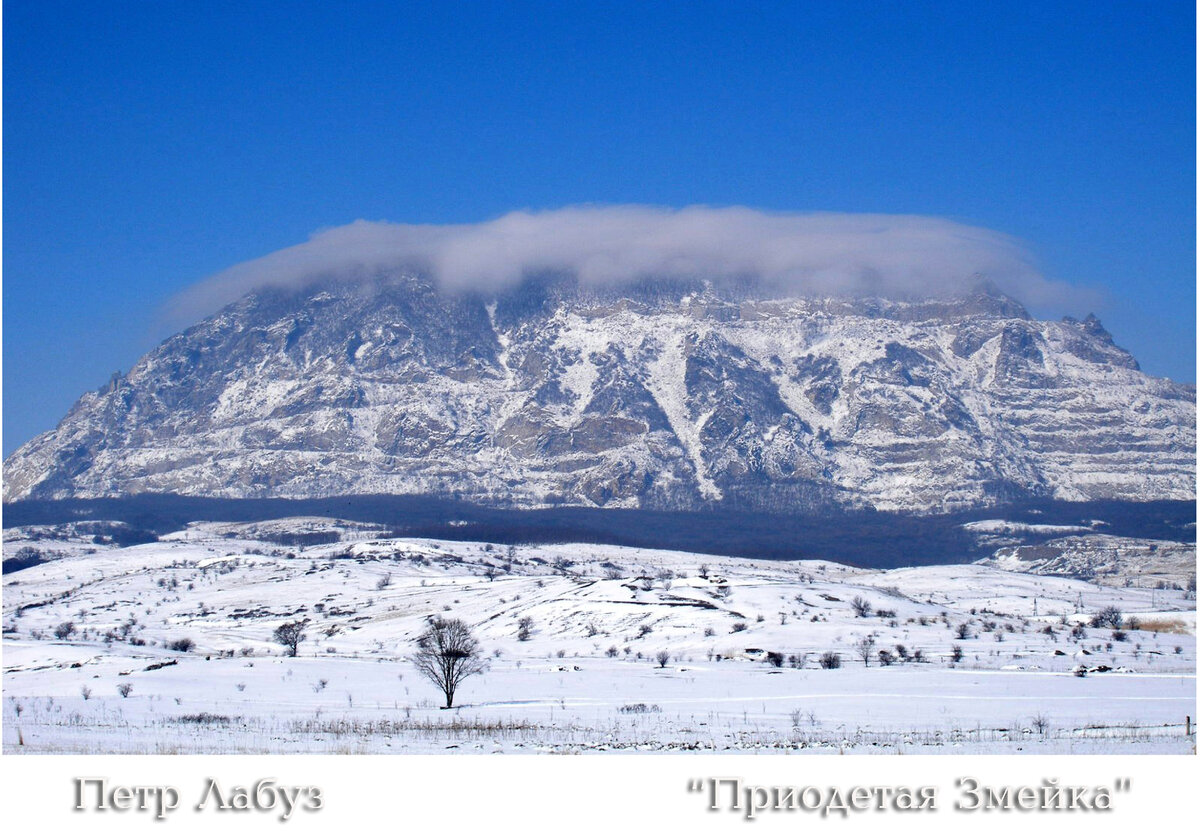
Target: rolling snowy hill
[[168, 647]]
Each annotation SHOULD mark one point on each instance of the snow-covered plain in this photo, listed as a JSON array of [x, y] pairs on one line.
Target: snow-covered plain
[[101, 620]]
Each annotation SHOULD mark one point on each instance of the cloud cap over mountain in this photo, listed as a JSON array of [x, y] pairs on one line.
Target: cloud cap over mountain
[[823, 254]]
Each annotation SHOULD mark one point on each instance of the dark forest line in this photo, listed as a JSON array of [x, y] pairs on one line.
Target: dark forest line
[[860, 537]]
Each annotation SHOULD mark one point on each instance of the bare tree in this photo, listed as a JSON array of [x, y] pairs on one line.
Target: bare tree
[[864, 647], [447, 653], [663, 658], [290, 635]]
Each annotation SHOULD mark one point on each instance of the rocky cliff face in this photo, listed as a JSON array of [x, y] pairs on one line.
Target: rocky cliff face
[[670, 397]]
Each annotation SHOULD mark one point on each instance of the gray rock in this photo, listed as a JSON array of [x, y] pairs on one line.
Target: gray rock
[[671, 396]]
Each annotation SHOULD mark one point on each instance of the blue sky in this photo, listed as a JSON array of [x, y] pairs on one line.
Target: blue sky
[[149, 145]]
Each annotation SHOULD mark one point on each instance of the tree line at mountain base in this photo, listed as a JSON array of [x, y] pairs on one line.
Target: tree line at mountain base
[[867, 538]]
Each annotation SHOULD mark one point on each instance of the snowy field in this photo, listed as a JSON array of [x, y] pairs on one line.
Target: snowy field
[[168, 647]]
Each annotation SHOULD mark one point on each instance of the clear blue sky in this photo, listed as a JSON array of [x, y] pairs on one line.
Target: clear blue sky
[[148, 145]]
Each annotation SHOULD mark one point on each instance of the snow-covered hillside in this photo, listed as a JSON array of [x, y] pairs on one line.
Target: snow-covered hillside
[[1111, 560], [669, 399], [172, 644]]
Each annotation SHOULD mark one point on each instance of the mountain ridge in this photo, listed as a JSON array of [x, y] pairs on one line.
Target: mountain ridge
[[667, 395]]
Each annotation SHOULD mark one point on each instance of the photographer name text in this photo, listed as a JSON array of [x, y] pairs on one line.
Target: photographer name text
[[264, 796]]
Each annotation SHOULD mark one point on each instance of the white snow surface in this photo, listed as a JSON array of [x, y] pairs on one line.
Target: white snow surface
[[588, 677]]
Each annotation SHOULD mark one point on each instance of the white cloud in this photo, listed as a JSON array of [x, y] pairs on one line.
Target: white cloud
[[788, 253]]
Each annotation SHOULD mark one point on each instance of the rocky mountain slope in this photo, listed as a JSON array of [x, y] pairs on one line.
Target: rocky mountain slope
[[1105, 559], [668, 397]]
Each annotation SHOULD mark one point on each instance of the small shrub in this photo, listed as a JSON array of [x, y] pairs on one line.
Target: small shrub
[[799, 716], [738, 627], [125, 689], [830, 660], [182, 645], [639, 709], [861, 606], [1109, 616], [204, 718]]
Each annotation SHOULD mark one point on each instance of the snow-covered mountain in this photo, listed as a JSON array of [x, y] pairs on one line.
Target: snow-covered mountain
[[667, 397]]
